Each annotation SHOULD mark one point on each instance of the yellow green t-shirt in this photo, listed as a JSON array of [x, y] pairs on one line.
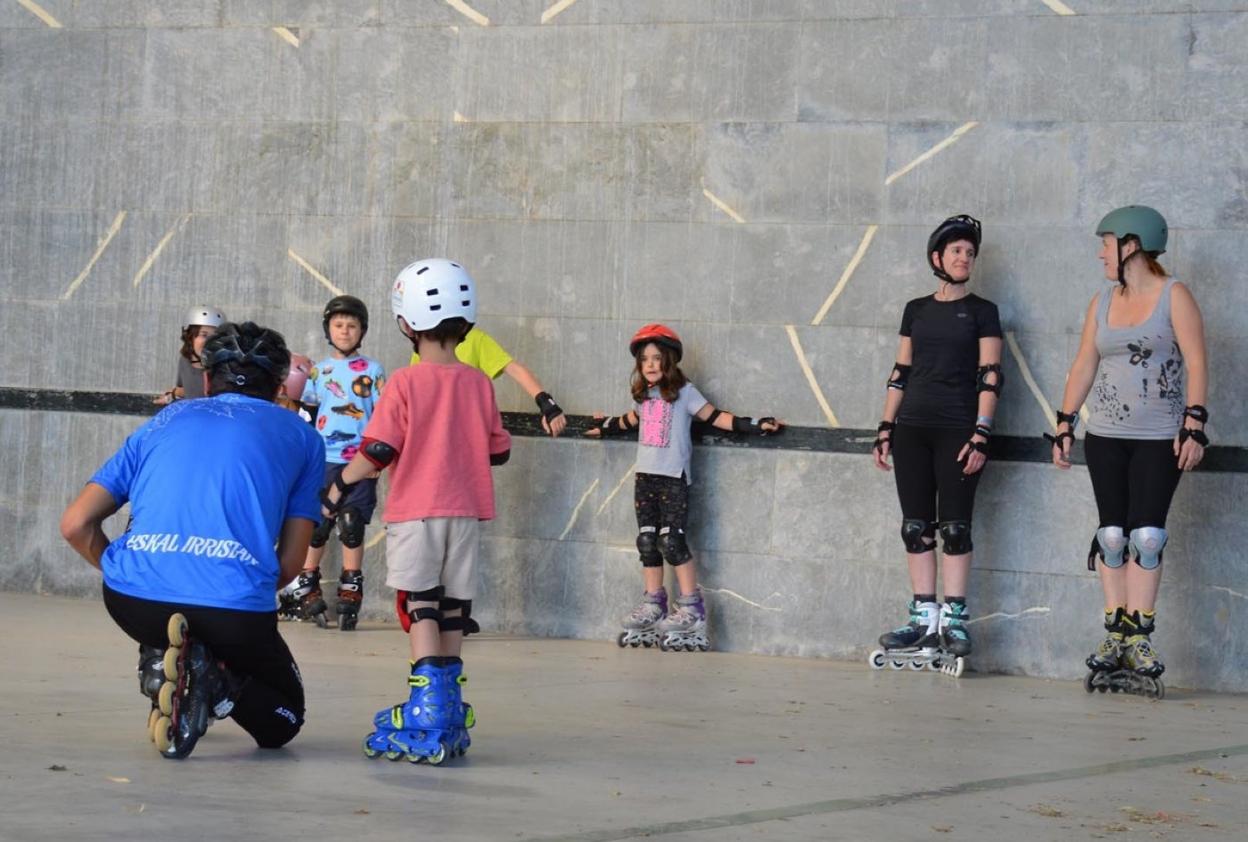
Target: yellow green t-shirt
[[480, 351]]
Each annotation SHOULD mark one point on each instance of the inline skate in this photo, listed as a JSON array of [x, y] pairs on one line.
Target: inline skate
[[433, 724], [641, 625], [1125, 661], [350, 595], [685, 628], [194, 691], [917, 645], [306, 591]]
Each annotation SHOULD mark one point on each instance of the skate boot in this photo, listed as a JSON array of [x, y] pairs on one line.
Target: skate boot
[[195, 691], [288, 603], [1108, 654], [685, 628], [350, 595], [151, 677], [432, 725], [1139, 657], [915, 645], [640, 626], [955, 639], [307, 592]]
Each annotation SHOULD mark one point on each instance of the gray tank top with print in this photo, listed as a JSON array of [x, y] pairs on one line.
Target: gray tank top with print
[[1138, 392]]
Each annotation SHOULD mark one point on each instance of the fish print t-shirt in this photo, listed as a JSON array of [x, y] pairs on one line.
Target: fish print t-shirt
[[345, 392]]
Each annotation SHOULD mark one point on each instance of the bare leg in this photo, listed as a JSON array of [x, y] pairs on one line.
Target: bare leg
[[922, 571], [955, 572], [1114, 584], [1141, 587], [686, 577]]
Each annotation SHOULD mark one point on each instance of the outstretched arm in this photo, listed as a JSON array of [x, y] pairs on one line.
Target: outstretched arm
[[613, 425], [553, 419], [721, 420]]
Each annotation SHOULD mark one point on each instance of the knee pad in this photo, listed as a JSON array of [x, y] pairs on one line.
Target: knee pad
[[320, 535], [1147, 542], [1113, 545], [409, 614], [913, 531], [648, 547], [673, 547], [460, 622], [350, 528], [957, 536]]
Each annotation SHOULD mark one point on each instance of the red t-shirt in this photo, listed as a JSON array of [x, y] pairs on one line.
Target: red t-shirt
[[444, 422]]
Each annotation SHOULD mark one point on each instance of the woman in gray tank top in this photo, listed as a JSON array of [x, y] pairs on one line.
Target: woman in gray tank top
[[1142, 361]]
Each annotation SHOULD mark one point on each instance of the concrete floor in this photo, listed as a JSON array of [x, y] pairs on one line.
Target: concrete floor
[[584, 741]]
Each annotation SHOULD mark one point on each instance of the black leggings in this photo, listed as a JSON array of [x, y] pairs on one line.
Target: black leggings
[[930, 482], [1133, 479], [270, 705]]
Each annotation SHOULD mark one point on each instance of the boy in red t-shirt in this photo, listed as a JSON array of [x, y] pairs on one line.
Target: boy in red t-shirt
[[438, 427]]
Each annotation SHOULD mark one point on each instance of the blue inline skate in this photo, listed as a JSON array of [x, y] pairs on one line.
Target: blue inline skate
[[433, 724]]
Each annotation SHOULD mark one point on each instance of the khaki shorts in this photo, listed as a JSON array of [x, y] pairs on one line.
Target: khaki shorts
[[423, 554]]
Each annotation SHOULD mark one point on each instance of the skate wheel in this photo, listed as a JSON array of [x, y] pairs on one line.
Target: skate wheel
[[959, 665], [369, 751], [176, 630], [393, 755], [897, 665], [704, 647], [622, 640], [162, 734], [919, 666], [171, 663], [876, 659], [164, 699], [663, 645], [322, 622], [437, 758], [1089, 685], [1157, 690], [152, 718]]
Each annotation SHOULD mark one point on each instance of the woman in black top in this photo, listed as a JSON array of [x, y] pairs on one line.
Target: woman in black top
[[938, 413]]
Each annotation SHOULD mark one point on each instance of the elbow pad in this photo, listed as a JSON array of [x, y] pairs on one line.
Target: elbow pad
[[378, 452], [497, 459], [900, 376], [981, 379]]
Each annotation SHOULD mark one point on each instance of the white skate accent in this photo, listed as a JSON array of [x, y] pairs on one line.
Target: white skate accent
[[577, 511], [736, 595], [1036, 610]]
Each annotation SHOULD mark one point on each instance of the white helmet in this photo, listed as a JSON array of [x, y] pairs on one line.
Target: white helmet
[[204, 317], [428, 292]]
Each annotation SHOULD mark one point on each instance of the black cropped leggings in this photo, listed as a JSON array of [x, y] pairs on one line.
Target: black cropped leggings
[[1134, 480], [930, 482]]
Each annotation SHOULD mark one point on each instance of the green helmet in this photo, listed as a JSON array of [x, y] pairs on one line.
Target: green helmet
[[1139, 221]]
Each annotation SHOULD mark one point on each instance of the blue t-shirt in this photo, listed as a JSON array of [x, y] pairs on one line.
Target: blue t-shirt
[[345, 391], [210, 483]]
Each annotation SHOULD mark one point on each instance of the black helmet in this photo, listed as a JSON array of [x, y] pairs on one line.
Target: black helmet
[[243, 348], [347, 305], [960, 227]]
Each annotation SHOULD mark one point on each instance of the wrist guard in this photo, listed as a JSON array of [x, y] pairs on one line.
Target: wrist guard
[[1197, 436], [1071, 418], [753, 426], [547, 406], [1197, 413], [613, 426]]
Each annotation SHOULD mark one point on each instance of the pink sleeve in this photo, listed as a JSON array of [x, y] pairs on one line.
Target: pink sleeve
[[389, 421], [500, 439]]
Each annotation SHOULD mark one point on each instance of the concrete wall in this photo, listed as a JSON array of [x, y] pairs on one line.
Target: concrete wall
[[154, 155]]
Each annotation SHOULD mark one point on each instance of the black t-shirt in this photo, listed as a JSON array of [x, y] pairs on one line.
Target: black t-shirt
[[944, 338]]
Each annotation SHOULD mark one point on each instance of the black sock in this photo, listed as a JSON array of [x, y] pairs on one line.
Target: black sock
[[956, 600], [920, 598]]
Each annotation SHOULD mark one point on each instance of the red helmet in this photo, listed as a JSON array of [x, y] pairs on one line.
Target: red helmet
[[660, 335]]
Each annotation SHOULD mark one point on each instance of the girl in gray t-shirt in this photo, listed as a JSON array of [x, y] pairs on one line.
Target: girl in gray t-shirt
[[665, 405], [200, 325], [1142, 360]]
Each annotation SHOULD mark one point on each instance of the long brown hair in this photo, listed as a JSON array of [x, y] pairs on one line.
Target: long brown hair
[[671, 381], [188, 348]]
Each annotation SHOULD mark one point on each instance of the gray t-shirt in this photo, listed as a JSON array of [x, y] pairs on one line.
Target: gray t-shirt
[[1138, 392], [190, 378], [664, 443]]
